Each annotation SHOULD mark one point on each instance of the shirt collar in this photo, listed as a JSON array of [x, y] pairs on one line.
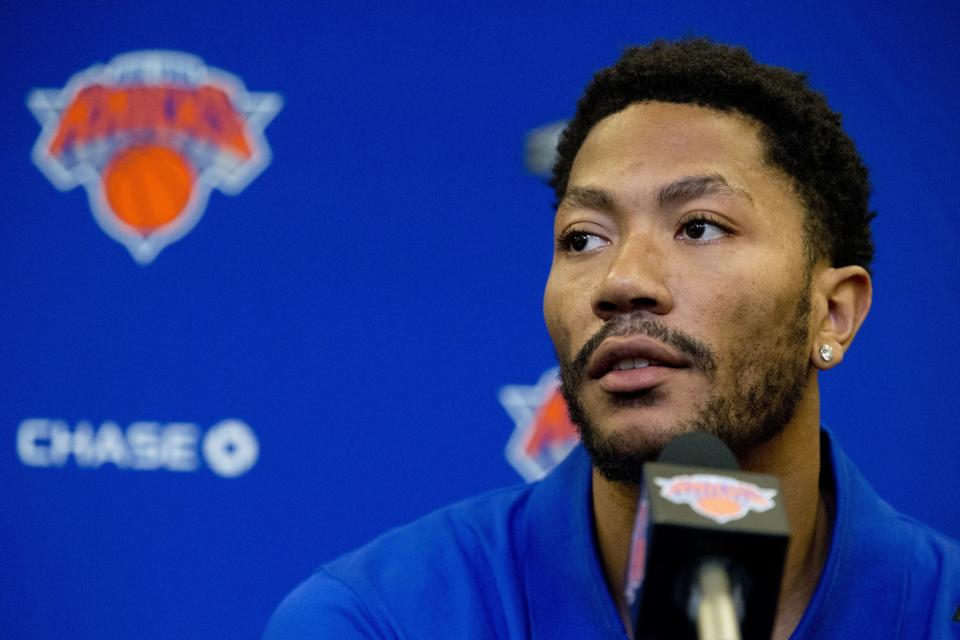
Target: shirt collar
[[863, 566], [565, 584], [567, 590]]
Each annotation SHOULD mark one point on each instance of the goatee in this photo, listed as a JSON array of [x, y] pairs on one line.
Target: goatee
[[763, 390]]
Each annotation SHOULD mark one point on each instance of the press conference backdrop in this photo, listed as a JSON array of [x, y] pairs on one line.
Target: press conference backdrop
[[271, 278]]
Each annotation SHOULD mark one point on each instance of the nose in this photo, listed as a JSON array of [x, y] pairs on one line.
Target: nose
[[635, 280]]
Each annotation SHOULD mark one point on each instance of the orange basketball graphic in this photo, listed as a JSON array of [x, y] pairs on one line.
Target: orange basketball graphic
[[148, 186], [720, 506]]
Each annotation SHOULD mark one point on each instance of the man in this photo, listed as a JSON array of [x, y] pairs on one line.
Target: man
[[712, 256]]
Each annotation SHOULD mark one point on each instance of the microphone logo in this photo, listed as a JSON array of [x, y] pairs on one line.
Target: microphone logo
[[719, 498]]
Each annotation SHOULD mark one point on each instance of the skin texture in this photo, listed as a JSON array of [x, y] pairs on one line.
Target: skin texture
[[718, 279]]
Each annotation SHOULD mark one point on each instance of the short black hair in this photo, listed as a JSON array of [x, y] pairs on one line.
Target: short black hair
[[804, 138]]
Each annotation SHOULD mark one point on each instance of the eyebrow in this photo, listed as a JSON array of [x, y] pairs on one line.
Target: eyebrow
[[692, 187], [588, 198], [680, 190]]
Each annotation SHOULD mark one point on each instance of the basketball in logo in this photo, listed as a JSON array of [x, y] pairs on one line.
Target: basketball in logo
[[148, 186], [148, 136]]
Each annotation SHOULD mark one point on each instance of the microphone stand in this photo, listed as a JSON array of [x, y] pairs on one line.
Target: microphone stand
[[712, 604]]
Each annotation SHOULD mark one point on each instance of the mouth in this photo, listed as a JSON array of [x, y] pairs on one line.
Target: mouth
[[630, 364], [633, 363]]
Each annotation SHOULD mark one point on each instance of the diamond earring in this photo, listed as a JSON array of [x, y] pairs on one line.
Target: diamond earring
[[826, 353]]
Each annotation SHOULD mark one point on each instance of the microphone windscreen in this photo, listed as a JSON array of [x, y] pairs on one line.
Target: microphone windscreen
[[699, 450]]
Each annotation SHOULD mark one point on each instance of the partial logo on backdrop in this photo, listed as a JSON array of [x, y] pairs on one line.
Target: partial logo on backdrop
[[719, 498], [544, 434], [540, 148], [149, 136], [228, 448]]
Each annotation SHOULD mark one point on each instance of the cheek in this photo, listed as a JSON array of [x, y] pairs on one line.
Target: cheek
[[566, 311], [741, 308], [715, 301], [553, 313], [764, 316]]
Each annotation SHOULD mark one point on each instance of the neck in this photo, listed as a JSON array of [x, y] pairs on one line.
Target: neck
[[614, 507]]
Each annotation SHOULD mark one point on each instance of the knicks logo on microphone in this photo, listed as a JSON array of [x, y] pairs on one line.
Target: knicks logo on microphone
[[148, 136], [719, 498]]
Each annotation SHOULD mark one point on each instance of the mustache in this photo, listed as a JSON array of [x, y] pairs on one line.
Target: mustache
[[699, 352]]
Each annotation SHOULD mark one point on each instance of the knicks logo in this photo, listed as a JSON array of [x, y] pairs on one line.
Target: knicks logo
[[719, 498], [148, 136], [544, 434]]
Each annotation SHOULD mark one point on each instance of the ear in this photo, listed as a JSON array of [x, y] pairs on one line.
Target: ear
[[843, 297]]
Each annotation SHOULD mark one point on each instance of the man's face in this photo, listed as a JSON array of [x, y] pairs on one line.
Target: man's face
[[679, 294]]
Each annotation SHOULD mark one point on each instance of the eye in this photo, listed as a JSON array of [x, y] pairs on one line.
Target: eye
[[702, 229], [575, 241]]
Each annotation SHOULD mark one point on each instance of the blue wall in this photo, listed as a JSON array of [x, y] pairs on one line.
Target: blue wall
[[359, 305]]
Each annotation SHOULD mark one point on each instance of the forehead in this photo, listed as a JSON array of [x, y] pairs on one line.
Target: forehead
[[647, 144]]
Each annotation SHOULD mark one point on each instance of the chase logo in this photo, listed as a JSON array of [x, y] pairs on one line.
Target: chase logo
[[544, 434], [718, 498], [148, 136], [229, 448]]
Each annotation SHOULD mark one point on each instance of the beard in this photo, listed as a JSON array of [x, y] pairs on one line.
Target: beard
[[764, 387]]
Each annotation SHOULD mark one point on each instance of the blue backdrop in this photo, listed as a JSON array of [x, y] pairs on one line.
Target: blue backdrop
[[319, 356]]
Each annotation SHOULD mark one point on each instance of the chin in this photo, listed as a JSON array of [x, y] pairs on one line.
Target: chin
[[619, 456], [634, 433]]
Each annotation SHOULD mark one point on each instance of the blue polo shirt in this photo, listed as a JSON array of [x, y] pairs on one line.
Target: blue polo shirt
[[522, 562]]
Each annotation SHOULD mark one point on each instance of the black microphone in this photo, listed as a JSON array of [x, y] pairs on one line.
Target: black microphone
[[708, 546]]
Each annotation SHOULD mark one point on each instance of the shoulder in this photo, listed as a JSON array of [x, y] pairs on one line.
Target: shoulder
[[931, 585], [886, 569], [460, 539], [456, 566], [321, 607]]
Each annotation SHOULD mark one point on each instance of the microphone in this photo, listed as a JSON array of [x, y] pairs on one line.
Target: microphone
[[708, 546]]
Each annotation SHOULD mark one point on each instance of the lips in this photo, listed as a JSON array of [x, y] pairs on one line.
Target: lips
[[633, 363]]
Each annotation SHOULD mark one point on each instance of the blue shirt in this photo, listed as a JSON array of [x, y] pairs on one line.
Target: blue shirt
[[522, 563]]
